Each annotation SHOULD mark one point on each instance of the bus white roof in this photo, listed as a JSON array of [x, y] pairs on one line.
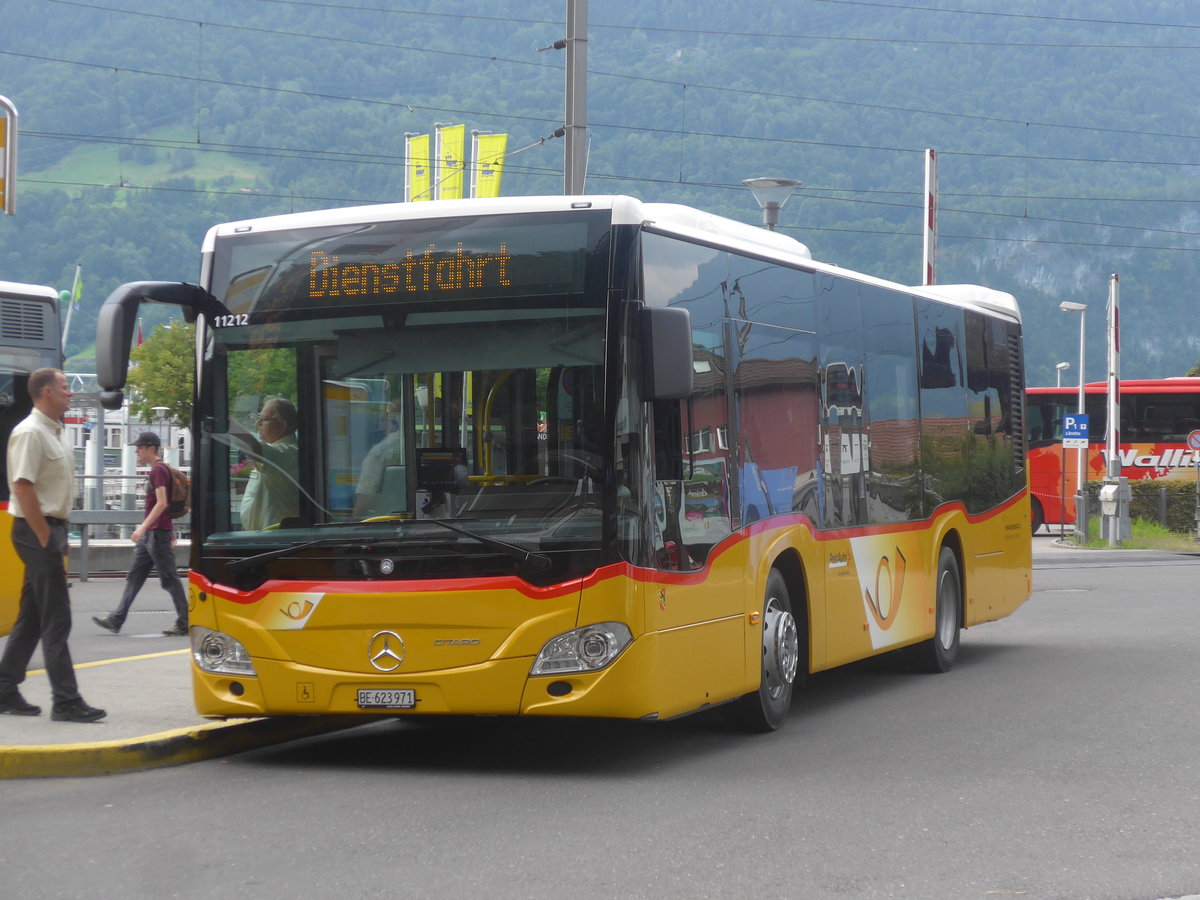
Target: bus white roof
[[672, 218], [975, 296], [686, 221], [28, 291]]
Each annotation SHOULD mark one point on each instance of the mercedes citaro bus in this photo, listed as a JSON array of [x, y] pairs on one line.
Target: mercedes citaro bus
[[579, 456]]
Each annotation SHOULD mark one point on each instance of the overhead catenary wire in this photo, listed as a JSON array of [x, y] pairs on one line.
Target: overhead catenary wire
[[492, 58], [325, 4], [384, 160]]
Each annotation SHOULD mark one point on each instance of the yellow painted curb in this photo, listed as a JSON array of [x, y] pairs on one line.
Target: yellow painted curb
[[166, 748]]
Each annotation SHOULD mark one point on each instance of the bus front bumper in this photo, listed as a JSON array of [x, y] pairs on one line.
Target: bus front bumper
[[500, 687]]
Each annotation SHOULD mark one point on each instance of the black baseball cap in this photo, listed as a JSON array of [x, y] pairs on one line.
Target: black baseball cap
[[146, 439]]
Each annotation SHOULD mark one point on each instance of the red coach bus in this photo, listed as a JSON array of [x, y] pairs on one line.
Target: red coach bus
[[1157, 415]]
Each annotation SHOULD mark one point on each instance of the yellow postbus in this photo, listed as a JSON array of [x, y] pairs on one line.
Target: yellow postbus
[[29, 340], [610, 458]]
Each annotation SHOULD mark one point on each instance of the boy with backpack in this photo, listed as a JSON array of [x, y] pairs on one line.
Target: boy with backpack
[[155, 540]]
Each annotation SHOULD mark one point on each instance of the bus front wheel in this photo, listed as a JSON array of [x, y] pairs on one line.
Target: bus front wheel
[[939, 652], [765, 709], [1037, 516]]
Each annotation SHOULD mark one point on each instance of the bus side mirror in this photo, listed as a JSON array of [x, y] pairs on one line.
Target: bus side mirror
[[114, 335], [116, 321], [666, 353]]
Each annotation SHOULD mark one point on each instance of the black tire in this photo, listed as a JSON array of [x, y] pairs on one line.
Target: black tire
[[1037, 516], [939, 652], [784, 662]]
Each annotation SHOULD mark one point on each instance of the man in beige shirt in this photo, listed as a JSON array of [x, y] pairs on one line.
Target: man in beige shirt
[[41, 477]]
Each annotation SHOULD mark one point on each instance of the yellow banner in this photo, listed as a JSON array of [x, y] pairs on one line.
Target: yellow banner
[[488, 166], [449, 176], [418, 183]]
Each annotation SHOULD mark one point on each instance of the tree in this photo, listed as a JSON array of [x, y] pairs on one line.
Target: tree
[[1195, 370], [164, 373]]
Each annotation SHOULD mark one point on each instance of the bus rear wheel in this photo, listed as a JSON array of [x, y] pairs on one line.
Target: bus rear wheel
[[764, 710], [1037, 516], [939, 652]]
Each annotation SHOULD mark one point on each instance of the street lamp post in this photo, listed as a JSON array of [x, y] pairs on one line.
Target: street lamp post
[[1062, 367], [771, 194], [164, 429], [1080, 452]]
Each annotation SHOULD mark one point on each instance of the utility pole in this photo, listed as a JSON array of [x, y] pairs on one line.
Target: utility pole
[[575, 118]]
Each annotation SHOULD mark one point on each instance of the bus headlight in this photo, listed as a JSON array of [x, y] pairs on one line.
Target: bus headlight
[[218, 652], [582, 649]]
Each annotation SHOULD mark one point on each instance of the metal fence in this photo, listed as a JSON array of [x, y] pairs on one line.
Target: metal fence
[[112, 506]]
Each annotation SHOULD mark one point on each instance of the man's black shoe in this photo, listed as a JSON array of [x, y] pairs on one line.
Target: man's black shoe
[[16, 705], [176, 631], [107, 624], [76, 711]]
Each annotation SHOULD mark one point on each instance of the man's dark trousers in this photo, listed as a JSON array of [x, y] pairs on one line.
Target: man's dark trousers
[[153, 551], [44, 613]]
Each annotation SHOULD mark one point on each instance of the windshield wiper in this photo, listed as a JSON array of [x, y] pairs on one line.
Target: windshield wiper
[[247, 562], [539, 561]]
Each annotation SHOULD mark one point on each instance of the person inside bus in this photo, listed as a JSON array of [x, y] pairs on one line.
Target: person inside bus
[[271, 494], [373, 492]]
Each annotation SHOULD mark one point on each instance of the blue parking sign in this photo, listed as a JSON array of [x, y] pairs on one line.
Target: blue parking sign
[[1075, 430]]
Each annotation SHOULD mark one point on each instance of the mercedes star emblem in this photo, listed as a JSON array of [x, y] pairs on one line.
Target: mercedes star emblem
[[386, 651]]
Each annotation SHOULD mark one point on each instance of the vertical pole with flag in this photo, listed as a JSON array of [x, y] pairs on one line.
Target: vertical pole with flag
[[418, 184], [448, 175], [931, 205], [76, 295], [1114, 494], [487, 163], [8, 156]]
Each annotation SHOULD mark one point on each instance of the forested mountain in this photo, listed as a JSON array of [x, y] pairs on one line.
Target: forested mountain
[[1067, 133]]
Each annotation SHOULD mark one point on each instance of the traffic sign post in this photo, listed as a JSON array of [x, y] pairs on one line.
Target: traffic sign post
[[1075, 436]]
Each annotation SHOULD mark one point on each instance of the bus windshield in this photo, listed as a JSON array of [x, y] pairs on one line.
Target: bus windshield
[[377, 383]]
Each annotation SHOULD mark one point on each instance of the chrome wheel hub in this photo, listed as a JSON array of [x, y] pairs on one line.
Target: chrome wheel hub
[[781, 649]]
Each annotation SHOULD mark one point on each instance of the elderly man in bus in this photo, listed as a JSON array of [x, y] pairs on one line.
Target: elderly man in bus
[[272, 495]]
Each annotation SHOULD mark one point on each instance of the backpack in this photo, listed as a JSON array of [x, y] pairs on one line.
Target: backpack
[[179, 503]]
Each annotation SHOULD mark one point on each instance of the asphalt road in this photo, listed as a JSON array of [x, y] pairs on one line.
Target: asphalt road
[[1058, 760]]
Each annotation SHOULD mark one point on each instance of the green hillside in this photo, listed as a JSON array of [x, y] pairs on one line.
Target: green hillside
[[163, 160]]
